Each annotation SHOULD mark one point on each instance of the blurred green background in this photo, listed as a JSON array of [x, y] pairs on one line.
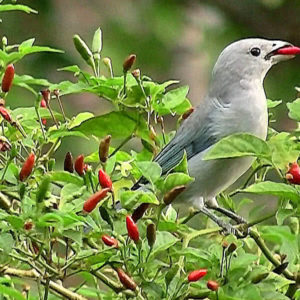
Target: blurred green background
[[172, 40]]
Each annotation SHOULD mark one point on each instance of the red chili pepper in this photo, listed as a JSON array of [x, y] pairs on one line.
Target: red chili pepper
[[293, 173], [188, 113], [27, 167], [5, 114], [212, 285], [43, 105], [28, 225], [126, 280], [196, 275], [110, 241], [80, 165], [8, 78], [104, 179], [92, 202], [68, 163], [4, 145], [132, 229], [139, 211], [46, 95]]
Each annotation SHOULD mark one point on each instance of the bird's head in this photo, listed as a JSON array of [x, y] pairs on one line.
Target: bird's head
[[252, 58]]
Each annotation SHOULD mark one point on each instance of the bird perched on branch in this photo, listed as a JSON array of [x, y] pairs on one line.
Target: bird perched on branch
[[235, 103]]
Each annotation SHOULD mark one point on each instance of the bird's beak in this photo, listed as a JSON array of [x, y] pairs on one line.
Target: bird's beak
[[284, 52]]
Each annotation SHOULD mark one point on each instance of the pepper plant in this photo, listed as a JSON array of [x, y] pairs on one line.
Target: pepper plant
[[76, 230]]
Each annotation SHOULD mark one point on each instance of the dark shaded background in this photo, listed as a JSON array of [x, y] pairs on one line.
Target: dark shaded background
[[172, 40]]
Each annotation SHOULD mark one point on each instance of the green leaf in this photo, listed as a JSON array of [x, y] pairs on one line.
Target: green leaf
[[119, 124], [175, 97], [284, 149], [238, 145], [273, 188], [73, 68], [282, 214], [11, 7], [21, 79], [6, 242], [273, 104], [15, 56], [176, 179], [183, 165], [15, 222], [29, 113], [294, 109], [9, 291], [130, 198], [150, 170], [62, 132], [50, 219], [80, 118], [74, 235], [164, 240], [26, 44], [63, 176]]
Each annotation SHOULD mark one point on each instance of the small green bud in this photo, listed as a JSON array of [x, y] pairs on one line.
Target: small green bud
[[105, 216], [97, 41], [83, 50], [4, 41], [43, 189], [22, 190], [51, 164], [108, 64]]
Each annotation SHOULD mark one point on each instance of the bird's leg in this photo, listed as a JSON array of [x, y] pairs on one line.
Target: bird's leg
[[232, 215], [213, 204], [228, 228]]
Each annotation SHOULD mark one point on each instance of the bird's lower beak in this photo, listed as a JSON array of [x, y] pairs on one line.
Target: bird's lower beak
[[283, 53]]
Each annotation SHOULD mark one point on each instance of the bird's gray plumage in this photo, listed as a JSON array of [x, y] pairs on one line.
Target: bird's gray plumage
[[235, 102]]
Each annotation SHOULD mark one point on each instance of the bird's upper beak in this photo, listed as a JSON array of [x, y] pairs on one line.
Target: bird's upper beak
[[283, 52]]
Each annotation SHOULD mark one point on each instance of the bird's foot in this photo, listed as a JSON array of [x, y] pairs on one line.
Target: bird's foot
[[229, 229]]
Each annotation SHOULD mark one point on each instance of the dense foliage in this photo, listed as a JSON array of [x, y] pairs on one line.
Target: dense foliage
[[80, 232]]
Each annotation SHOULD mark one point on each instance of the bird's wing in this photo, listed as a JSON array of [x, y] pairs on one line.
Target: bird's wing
[[197, 133]]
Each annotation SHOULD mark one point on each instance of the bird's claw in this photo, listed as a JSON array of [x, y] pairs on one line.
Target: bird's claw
[[229, 229]]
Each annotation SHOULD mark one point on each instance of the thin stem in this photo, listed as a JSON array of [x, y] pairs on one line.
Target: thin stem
[[5, 170], [52, 148], [121, 145], [222, 262], [40, 122], [268, 254], [124, 84], [52, 115], [61, 106], [20, 128], [46, 289]]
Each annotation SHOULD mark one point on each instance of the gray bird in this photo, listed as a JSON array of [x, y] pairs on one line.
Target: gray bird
[[235, 103]]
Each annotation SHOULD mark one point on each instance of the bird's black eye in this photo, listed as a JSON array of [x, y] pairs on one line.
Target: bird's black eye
[[255, 51]]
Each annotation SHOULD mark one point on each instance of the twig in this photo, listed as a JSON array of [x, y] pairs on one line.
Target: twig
[[60, 105], [121, 145], [266, 251], [35, 275], [40, 122]]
